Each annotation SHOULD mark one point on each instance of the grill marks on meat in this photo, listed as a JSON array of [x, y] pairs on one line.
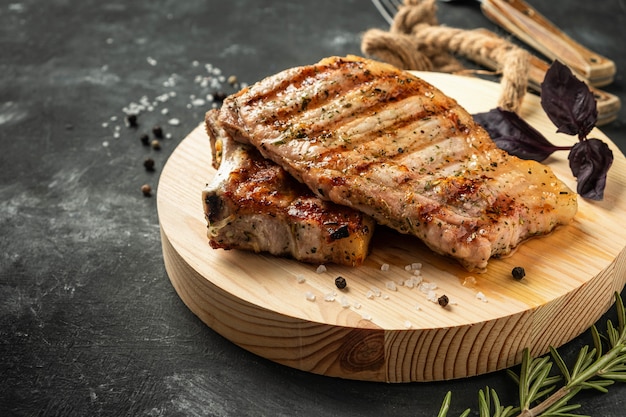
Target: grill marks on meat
[[253, 204], [366, 135]]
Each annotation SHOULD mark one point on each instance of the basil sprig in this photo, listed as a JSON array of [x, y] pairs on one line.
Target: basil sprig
[[571, 106]]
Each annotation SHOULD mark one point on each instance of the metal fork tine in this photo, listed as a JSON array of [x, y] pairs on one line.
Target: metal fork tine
[[388, 8]]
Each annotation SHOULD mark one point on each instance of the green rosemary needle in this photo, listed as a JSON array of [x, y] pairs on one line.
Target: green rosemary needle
[[543, 394]]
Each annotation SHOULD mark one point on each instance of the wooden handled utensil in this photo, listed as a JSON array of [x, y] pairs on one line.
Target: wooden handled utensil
[[519, 18], [608, 105]]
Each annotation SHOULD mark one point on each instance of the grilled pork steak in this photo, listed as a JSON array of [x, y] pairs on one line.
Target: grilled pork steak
[[253, 204], [369, 136]]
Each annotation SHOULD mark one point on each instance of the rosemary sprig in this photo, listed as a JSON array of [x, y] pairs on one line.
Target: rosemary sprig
[[544, 394]]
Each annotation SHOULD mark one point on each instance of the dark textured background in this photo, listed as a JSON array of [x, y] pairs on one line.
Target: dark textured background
[[89, 323]]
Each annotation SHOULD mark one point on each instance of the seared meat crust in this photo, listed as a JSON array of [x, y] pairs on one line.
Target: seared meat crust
[[369, 136], [253, 204]]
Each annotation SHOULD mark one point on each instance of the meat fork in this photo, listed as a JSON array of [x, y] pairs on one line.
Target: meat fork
[[527, 24], [608, 105]]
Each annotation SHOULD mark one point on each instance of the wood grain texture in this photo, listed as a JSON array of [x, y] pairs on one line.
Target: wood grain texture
[[383, 330]]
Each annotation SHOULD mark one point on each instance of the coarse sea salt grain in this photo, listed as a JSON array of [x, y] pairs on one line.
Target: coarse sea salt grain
[[321, 269], [329, 297], [426, 287], [357, 305], [309, 296], [384, 267], [432, 296], [480, 296], [174, 121], [413, 282], [367, 317], [300, 278], [385, 296], [408, 324], [163, 97], [171, 81], [344, 302], [391, 286], [376, 291], [212, 70], [369, 295]]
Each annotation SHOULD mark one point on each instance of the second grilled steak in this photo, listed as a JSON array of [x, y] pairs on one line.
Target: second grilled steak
[[253, 204]]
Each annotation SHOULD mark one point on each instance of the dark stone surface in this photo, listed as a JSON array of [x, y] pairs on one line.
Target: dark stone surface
[[89, 323]]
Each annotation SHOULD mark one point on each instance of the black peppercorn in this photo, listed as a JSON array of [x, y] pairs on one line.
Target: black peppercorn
[[145, 139], [340, 282], [443, 300], [157, 131], [518, 272], [149, 164], [131, 120], [219, 96]]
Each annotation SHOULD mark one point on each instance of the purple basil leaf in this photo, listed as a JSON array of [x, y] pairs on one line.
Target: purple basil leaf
[[512, 134], [568, 102], [590, 161]]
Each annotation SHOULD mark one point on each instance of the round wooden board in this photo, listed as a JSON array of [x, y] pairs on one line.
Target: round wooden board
[[397, 334]]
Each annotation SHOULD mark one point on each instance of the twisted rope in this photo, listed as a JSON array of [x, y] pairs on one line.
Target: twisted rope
[[416, 41]]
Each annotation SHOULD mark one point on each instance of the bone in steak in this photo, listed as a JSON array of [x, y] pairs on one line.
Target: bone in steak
[[253, 204], [369, 136]]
